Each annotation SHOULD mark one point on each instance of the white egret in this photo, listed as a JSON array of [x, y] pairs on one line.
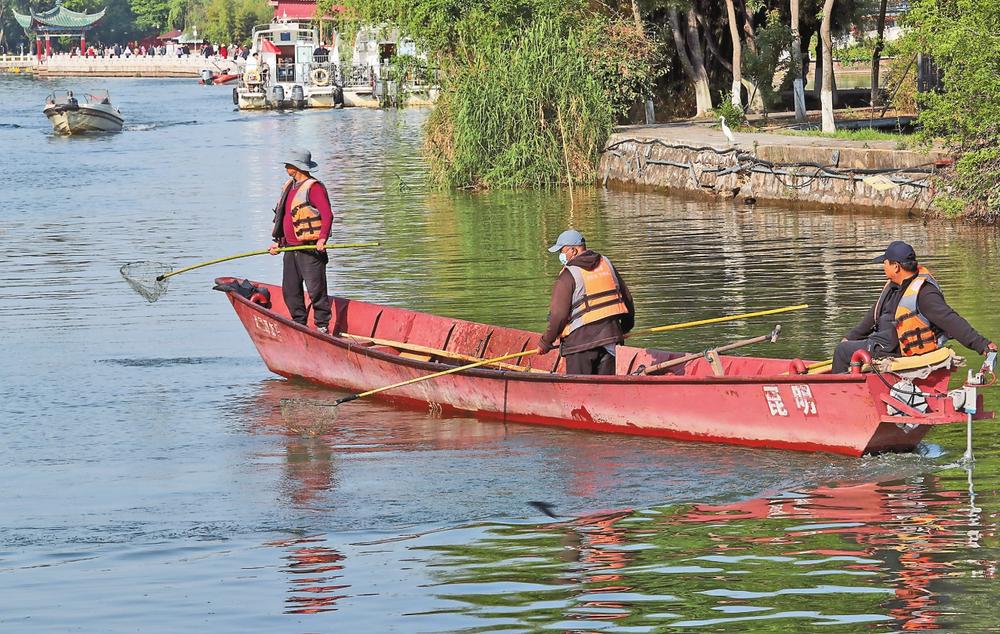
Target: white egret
[[726, 131]]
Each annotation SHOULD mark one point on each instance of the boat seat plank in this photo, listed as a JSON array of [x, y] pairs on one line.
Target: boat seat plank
[[423, 353]]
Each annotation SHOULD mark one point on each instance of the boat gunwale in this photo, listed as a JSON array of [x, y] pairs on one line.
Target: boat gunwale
[[481, 372]]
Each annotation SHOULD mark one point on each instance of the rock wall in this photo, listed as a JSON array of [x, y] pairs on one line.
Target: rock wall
[[826, 176]]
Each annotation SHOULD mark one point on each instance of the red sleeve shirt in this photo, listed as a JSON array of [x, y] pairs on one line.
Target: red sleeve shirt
[[320, 199]]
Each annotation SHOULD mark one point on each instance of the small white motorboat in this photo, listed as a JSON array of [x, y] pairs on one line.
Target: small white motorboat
[[95, 114]]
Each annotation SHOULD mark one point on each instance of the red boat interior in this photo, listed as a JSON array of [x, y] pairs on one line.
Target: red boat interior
[[427, 337]]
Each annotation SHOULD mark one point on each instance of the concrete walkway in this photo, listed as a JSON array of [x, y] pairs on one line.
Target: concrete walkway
[[709, 133]]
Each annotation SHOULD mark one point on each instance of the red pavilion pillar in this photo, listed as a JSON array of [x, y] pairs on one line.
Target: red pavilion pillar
[[83, 45], [48, 46], [38, 48]]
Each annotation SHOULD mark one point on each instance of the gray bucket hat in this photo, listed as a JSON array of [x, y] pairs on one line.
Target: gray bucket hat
[[301, 159], [568, 238]]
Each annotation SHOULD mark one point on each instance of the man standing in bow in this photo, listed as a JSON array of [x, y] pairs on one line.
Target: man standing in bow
[[910, 317], [590, 310], [303, 216]]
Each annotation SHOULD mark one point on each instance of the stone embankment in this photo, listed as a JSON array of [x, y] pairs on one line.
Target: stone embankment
[[697, 158]]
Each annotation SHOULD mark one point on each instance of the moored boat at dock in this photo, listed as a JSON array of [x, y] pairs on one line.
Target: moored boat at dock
[[289, 68], [95, 114], [753, 401]]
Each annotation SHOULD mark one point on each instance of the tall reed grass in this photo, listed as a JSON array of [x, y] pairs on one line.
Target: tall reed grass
[[528, 113]]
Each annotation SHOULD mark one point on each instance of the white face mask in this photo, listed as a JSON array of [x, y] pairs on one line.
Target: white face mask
[[563, 258]]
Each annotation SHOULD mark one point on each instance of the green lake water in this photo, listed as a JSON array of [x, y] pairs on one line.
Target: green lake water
[[152, 482]]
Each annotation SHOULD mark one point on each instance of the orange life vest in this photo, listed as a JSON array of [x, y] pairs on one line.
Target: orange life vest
[[916, 334], [306, 219], [596, 295]]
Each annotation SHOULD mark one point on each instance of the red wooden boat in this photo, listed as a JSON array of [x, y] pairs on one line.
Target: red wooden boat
[[756, 402], [218, 78]]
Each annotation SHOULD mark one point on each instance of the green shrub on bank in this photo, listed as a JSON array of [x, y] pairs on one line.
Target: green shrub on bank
[[529, 112], [963, 37]]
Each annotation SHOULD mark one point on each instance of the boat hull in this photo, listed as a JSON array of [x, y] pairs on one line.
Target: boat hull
[[84, 119], [840, 414], [258, 100]]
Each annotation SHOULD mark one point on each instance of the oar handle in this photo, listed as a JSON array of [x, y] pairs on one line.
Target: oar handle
[[301, 247], [418, 379]]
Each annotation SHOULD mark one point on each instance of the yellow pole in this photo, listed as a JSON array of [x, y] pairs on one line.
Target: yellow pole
[[515, 355], [418, 379], [718, 320], [302, 247]]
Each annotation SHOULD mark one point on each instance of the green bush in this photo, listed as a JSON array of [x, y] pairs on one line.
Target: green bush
[[735, 117], [963, 38]]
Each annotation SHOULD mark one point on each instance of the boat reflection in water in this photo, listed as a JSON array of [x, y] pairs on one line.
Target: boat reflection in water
[[891, 553], [864, 553], [315, 573]]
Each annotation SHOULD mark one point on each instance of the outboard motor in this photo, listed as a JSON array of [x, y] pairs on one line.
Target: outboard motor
[[278, 95], [206, 76], [298, 97], [338, 97]]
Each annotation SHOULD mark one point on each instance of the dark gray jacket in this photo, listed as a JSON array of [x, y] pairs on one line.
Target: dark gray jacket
[[931, 304]]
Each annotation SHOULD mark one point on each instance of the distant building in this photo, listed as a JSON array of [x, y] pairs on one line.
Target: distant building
[[298, 10], [60, 22]]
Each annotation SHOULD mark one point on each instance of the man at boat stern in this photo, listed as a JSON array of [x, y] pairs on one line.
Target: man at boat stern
[[591, 308], [303, 217], [910, 316]]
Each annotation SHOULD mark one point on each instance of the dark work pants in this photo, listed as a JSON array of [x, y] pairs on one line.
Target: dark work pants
[[308, 267], [594, 361], [843, 352]]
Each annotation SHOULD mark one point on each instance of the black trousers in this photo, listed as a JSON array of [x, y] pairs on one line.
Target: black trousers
[[308, 267], [877, 346], [593, 361], [842, 354]]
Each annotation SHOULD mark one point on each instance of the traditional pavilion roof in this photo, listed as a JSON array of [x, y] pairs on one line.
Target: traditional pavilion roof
[[58, 19]]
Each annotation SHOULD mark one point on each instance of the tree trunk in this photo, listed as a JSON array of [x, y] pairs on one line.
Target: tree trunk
[[734, 32], [748, 27], [649, 111], [818, 73], [702, 93], [689, 66], [826, 92], [798, 89], [877, 53]]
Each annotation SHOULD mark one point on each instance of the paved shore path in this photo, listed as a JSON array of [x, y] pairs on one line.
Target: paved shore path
[[700, 133]]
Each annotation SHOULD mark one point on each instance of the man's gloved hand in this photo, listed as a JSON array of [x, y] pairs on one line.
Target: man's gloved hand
[[543, 348]]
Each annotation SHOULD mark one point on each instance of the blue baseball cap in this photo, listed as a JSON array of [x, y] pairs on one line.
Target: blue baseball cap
[[568, 238], [898, 251]]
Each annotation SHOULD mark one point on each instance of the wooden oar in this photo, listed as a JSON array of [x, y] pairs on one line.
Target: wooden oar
[[773, 337], [461, 368]]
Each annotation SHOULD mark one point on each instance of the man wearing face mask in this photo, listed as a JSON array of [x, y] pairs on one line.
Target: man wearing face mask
[[910, 316], [590, 310]]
